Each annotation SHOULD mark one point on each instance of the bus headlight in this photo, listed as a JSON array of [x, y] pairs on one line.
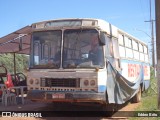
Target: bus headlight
[[92, 82], [31, 81], [86, 82], [36, 81]]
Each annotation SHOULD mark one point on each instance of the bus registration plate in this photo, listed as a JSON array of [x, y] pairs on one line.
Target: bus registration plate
[[58, 95]]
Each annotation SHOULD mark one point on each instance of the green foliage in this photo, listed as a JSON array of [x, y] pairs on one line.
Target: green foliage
[[8, 61], [149, 100], [148, 103], [152, 90], [152, 73]]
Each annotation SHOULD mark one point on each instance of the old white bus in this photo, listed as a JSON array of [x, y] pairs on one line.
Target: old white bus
[[86, 60]]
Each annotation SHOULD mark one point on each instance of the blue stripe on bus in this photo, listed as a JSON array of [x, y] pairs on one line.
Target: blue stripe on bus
[[101, 88]]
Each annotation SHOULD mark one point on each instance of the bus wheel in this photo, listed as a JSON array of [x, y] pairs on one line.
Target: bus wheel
[[137, 97]]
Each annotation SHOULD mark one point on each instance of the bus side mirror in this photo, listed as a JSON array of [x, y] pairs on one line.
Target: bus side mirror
[[102, 38]]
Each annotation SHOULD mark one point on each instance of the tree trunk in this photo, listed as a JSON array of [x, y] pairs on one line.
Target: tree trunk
[[157, 7]]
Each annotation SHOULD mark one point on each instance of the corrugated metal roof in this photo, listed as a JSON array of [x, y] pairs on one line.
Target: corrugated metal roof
[[11, 42]]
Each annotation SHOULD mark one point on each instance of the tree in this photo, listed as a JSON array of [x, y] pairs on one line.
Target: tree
[[7, 61]]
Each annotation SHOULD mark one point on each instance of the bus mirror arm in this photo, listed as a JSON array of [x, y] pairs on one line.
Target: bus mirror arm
[[107, 63]]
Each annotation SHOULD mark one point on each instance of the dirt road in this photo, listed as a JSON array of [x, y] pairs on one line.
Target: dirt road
[[93, 113]]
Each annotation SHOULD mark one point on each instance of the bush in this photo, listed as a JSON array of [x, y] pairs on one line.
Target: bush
[[8, 61], [152, 90]]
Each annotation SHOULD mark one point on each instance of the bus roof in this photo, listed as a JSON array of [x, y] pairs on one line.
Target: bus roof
[[88, 22], [11, 42]]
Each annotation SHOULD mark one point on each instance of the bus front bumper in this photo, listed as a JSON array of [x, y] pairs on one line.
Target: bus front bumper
[[56, 96]]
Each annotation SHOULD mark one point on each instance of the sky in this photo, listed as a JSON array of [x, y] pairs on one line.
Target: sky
[[128, 15]]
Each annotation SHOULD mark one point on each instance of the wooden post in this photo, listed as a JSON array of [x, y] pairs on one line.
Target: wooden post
[[157, 9], [14, 60]]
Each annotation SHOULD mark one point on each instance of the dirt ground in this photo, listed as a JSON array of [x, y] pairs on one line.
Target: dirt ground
[[40, 106]]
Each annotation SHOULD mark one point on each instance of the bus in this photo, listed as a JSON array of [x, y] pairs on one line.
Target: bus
[[86, 60]]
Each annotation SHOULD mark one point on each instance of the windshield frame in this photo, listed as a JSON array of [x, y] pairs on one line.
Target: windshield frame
[[61, 65], [32, 64], [86, 65]]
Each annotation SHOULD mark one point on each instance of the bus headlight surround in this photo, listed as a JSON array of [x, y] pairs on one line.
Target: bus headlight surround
[[92, 82], [36, 81], [86, 82], [31, 81]]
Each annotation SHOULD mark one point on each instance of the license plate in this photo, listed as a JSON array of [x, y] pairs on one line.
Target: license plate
[[58, 95]]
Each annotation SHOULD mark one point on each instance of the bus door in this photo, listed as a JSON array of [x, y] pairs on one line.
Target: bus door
[[112, 52], [116, 54]]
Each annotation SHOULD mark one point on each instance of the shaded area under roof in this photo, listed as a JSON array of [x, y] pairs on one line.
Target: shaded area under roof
[[12, 43]]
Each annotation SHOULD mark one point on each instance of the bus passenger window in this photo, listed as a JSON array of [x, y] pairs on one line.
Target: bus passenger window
[[141, 48], [135, 45], [128, 42], [121, 46], [145, 50], [129, 53], [122, 51], [121, 40], [146, 54]]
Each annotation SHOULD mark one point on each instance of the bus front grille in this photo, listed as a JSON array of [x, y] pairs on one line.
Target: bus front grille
[[60, 82]]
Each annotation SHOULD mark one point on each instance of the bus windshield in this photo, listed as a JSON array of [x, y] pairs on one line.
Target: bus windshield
[[46, 49], [81, 49]]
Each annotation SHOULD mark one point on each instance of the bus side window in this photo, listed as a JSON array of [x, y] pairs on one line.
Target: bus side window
[[128, 45], [141, 50], [146, 54], [135, 50]]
